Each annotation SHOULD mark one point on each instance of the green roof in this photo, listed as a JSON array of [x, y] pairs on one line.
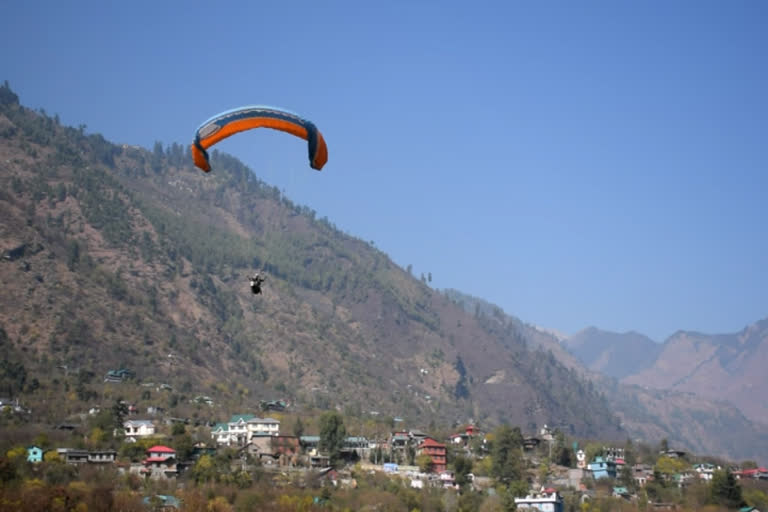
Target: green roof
[[239, 417]]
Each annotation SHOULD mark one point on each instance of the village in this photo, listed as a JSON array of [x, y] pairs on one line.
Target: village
[[409, 456]]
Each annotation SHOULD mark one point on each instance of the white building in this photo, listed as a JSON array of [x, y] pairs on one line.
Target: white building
[[242, 428], [263, 427], [547, 500], [138, 428]]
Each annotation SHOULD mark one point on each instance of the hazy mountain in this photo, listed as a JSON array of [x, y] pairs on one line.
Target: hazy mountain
[[614, 354], [120, 257], [724, 366], [688, 421]]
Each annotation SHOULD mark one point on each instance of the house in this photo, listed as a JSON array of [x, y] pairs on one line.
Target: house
[[546, 500], [447, 480], [642, 474], [118, 375], [138, 428], [34, 454], [220, 433], [355, 446], [241, 428], [399, 440], [581, 459], [463, 438], [684, 478], [705, 470], [161, 452], [755, 473], [602, 468], [273, 447], [263, 427], [72, 456], [160, 463], [621, 492], [437, 453], [273, 405], [612, 452], [417, 436], [102, 457], [674, 454], [76, 457], [530, 443], [201, 449], [7, 404], [309, 443], [237, 428], [161, 502]]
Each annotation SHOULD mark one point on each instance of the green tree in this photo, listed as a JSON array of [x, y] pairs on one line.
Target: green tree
[[669, 466], [424, 462], [184, 446], [562, 454], [626, 478], [178, 429], [725, 490], [119, 412], [506, 454], [462, 466], [332, 435], [298, 427]]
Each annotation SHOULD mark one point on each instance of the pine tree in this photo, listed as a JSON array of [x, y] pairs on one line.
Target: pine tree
[[332, 435], [724, 490]]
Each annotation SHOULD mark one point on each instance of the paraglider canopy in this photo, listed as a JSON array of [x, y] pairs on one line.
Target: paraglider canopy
[[234, 121]]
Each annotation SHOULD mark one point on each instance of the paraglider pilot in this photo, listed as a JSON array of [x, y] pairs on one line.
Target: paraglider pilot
[[256, 281]]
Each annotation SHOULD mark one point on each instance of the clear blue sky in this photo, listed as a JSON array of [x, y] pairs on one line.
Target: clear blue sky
[[577, 163]]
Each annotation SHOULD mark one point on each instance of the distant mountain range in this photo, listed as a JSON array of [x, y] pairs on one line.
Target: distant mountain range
[[613, 354], [731, 367], [705, 423]]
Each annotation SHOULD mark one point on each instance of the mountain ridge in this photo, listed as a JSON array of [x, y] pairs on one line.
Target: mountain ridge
[[143, 266], [720, 366], [614, 354]]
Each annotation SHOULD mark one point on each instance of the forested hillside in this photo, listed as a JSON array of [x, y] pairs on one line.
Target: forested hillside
[[118, 257]]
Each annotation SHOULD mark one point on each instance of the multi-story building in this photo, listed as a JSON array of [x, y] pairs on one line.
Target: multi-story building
[[436, 451]]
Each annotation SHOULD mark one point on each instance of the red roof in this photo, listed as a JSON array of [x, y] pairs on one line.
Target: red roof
[[431, 442], [161, 449]]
